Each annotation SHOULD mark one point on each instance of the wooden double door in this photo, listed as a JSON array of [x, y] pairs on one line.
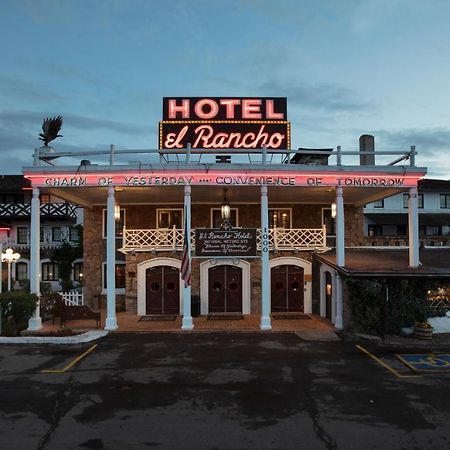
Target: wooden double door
[[225, 289], [162, 290], [287, 288]]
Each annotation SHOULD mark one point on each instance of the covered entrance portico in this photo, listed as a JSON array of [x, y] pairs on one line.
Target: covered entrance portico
[[191, 186]]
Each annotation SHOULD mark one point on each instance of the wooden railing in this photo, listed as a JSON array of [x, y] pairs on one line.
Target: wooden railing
[[167, 239], [74, 297]]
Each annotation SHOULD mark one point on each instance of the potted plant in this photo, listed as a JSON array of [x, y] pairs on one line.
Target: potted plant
[[423, 330]]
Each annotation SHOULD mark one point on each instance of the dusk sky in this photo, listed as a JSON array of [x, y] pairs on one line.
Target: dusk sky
[[347, 67]]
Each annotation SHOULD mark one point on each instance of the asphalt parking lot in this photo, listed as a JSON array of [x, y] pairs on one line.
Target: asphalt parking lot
[[217, 391]]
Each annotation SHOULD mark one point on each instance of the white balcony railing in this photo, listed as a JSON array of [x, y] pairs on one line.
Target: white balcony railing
[[167, 239], [74, 297]]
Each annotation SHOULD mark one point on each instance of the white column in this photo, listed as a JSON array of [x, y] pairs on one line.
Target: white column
[[338, 322], [35, 322], [187, 323], [111, 320], [413, 228], [265, 270], [340, 228]]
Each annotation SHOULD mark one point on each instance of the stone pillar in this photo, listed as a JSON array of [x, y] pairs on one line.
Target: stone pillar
[[340, 228], [338, 322], [111, 319], [35, 322], [413, 229], [187, 322], [265, 270]]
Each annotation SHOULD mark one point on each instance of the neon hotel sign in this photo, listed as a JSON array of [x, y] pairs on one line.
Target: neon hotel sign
[[225, 122]]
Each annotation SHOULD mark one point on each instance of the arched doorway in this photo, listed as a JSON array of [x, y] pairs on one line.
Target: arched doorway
[[162, 290], [287, 291], [225, 289], [142, 281]]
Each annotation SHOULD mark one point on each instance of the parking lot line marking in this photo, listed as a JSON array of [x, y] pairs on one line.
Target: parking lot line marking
[[386, 366], [72, 363]]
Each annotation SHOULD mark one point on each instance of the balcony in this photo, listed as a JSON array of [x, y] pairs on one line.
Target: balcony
[[66, 211], [171, 239]]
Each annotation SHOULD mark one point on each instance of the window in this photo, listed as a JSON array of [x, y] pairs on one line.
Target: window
[[78, 271], [279, 218], [430, 230], [22, 235], [329, 222], [419, 200], [45, 198], [216, 217], [56, 234], [445, 201], [50, 271], [168, 218], [120, 275], [119, 223], [74, 235], [375, 230], [378, 204], [21, 271], [41, 234]]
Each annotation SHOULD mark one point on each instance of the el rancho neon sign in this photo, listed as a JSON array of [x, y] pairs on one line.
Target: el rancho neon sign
[[219, 123]]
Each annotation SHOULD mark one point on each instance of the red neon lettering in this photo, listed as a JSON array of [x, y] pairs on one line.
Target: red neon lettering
[[173, 140], [270, 111], [251, 108], [230, 104], [199, 108], [183, 109]]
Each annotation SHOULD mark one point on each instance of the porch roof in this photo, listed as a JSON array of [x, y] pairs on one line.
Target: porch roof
[[390, 263], [163, 183]]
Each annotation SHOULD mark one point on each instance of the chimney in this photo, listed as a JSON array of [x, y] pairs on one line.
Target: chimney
[[367, 144]]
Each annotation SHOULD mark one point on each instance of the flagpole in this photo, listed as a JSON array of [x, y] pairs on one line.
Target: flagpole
[[187, 322]]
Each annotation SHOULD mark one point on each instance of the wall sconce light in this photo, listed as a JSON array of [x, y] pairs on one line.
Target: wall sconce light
[[328, 289], [117, 212], [333, 210]]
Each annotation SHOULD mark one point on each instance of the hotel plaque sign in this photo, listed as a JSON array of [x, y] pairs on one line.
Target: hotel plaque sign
[[236, 243]]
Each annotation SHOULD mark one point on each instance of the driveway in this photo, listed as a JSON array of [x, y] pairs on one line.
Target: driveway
[[216, 391]]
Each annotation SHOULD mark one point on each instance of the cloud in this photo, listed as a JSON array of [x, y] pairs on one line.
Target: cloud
[[427, 140], [323, 96], [27, 119]]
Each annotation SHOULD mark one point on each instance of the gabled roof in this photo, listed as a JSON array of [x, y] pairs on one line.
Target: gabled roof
[[434, 185], [13, 182]]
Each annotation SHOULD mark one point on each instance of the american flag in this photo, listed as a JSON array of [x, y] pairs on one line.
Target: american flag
[[186, 261]]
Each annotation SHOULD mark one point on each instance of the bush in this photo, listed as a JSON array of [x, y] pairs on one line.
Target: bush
[[17, 307], [50, 304], [407, 304]]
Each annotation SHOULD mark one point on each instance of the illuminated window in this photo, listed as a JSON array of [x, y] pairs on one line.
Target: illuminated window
[[119, 223], [120, 275], [45, 198], [279, 218], [78, 271], [50, 271]]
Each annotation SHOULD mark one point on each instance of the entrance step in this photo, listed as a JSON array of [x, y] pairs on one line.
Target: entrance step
[[225, 316]]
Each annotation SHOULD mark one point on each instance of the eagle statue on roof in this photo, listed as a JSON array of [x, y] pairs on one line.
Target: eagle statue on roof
[[51, 128]]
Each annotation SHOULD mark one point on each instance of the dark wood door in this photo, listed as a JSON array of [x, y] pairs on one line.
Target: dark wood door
[[225, 289], [328, 294], [287, 288], [163, 290]]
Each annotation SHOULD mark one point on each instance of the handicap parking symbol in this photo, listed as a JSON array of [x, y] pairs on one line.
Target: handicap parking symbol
[[426, 362]]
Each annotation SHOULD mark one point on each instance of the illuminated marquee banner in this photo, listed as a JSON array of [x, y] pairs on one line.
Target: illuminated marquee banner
[[225, 122], [208, 178], [238, 243]]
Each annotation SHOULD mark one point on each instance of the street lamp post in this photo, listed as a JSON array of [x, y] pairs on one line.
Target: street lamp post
[[9, 257]]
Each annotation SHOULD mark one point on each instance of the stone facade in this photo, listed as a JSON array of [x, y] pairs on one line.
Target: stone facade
[[144, 216]]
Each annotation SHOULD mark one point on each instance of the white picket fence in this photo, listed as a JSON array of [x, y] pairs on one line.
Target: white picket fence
[[74, 297]]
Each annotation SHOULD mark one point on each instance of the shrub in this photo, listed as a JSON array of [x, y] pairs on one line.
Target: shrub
[[407, 304], [17, 306], [50, 303]]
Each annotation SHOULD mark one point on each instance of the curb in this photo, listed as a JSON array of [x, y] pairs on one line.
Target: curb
[[89, 336]]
